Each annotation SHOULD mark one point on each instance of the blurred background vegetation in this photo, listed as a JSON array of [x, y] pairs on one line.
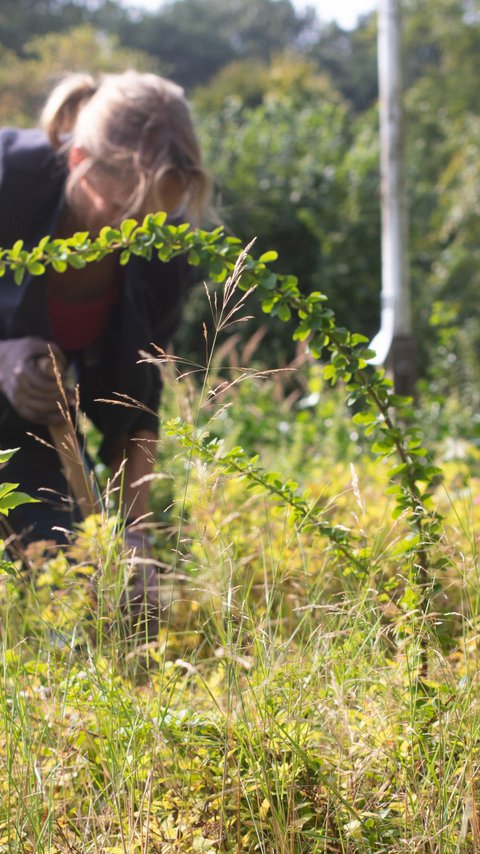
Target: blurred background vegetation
[[287, 112], [283, 689]]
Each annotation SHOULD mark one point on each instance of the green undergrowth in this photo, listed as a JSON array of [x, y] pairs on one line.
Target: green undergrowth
[[313, 686], [280, 708]]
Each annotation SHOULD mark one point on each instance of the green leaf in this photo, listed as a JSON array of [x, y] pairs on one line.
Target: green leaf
[[155, 219], [183, 228], [366, 355], [79, 238], [330, 372], [301, 334], [16, 249], [127, 226], [76, 262], [6, 455], [7, 568], [18, 275], [317, 344], [382, 447], [164, 252], [6, 488], [402, 468], [268, 281], [267, 257], [284, 312], [393, 490], [364, 418], [399, 400], [217, 270], [108, 234], [14, 499], [43, 243], [35, 268]]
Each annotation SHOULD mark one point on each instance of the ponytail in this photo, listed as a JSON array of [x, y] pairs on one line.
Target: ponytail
[[63, 106]]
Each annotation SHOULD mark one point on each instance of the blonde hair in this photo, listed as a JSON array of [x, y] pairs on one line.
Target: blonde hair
[[134, 126]]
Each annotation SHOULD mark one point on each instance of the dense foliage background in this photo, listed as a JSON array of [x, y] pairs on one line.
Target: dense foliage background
[[286, 110], [314, 683]]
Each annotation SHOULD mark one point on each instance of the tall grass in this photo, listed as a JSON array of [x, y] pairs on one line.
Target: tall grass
[[280, 708]]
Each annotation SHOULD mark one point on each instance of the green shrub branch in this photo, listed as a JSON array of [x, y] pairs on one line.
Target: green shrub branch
[[305, 515], [383, 415]]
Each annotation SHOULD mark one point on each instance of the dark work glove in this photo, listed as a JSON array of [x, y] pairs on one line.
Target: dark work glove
[[27, 378]]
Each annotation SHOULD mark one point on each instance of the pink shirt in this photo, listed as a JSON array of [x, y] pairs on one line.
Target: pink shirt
[[76, 326]]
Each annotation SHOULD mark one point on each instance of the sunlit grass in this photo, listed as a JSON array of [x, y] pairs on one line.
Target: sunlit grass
[[282, 708], [278, 710]]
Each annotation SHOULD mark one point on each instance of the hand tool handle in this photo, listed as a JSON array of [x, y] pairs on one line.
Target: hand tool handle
[[76, 473]]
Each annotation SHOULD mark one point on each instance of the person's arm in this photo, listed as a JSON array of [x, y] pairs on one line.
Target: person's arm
[[157, 290], [139, 454]]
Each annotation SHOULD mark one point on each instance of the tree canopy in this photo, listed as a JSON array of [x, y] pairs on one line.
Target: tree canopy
[[286, 109]]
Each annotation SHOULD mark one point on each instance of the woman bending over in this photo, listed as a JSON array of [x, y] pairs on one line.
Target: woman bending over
[[123, 148]]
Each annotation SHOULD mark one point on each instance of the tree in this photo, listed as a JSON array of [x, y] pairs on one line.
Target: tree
[[442, 57], [21, 20], [187, 38], [25, 83], [350, 59], [297, 172], [194, 39]]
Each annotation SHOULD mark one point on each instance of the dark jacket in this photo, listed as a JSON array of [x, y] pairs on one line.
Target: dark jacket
[[32, 181]]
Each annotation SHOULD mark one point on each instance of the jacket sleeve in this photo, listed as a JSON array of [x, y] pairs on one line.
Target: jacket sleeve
[[32, 179]]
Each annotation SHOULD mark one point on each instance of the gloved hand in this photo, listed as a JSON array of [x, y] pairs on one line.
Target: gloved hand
[[30, 387]]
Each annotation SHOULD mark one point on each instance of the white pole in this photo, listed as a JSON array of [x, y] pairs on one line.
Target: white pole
[[396, 319]]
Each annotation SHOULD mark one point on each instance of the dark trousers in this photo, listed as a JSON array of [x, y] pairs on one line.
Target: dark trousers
[[37, 470]]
